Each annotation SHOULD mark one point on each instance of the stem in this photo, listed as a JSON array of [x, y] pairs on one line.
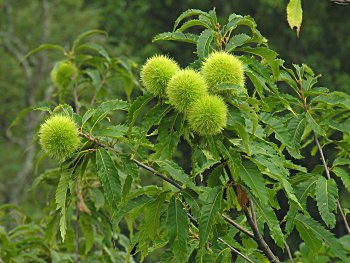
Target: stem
[[150, 169], [258, 238], [76, 100], [329, 177], [288, 251], [239, 227], [235, 250], [253, 211]]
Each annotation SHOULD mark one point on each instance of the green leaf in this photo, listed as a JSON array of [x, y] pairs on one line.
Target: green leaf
[[279, 128], [150, 224], [326, 194], [60, 199], [20, 116], [208, 213], [248, 111], [341, 161], [294, 14], [188, 13], [302, 191], [340, 125], [192, 23], [203, 43], [116, 131], [314, 126], [136, 203], [169, 133], [238, 20], [88, 114], [235, 90], [178, 226], [43, 47], [176, 172], [267, 54], [98, 198], [253, 178], [176, 36], [270, 218], [274, 167], [112, 105], [95, 48], [153, 117], [236, 41], [335, 98], [136, 107], [343, 175], [86, 34], [243, 134], [109, 176], [203, 158], [224, 256], [296, 126], [86, 226], [314, 234], [95, 77], [127, 186]]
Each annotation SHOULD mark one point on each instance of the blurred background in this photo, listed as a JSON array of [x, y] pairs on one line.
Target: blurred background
[[324, 45]]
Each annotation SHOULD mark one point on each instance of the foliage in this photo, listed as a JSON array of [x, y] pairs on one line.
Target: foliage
[[294, 14], [225, 202]]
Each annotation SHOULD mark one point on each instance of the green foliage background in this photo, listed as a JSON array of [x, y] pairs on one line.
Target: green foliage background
[[131, 25]]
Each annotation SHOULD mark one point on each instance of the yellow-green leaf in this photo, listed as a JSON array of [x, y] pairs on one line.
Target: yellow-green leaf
[[295, 15]]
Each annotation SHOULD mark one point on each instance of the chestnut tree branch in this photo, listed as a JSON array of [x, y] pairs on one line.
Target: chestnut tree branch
[[258, 238], [178, 186]]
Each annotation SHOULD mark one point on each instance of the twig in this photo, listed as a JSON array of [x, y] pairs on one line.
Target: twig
[[238, 226], [329, 177], [288, 251], [235, 250], [258, 238], [150, 169], [253, 211]]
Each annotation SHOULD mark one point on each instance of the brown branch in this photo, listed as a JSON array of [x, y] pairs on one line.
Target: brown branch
[[258, 238], [252, 210], [238, 226], [150, 169]]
